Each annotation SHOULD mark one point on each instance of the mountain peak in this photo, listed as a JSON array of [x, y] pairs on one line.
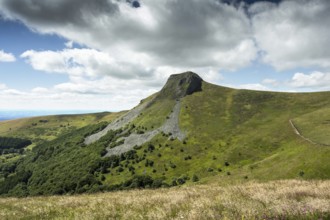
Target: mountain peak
[[180, 85]]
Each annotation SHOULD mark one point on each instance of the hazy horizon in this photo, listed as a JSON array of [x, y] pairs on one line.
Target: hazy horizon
[[21, 113]]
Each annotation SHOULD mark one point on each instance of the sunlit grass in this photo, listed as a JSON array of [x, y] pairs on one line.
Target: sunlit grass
[[286, 199]]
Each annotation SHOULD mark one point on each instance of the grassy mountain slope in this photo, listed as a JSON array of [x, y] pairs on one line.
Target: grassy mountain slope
[[39, 129], [46, 128], [230, 135]]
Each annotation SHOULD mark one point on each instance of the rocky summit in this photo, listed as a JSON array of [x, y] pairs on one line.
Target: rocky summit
[[180, 85]]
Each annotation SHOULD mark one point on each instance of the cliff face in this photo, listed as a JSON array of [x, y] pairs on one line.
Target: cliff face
[[180, 85]]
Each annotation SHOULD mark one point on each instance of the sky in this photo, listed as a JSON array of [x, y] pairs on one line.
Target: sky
[[107, 55]]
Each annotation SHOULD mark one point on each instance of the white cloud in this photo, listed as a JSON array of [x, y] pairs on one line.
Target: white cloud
[[83, 62], [249, 86], [6, 57], [69, 44], [314, 79], [253, 86], [2, 86], [272, 82], [76, 96], [40, 90], [14, 92], [294, 33]]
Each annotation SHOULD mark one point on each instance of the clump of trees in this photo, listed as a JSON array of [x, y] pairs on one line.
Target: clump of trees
[[13, 145]]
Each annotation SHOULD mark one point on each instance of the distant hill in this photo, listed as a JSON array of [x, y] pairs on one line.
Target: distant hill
[[189, 131]]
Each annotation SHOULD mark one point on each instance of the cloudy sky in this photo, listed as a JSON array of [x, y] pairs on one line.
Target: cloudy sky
[[109, 54]]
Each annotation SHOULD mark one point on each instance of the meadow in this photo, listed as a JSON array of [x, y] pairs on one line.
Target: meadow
[[281, 199]]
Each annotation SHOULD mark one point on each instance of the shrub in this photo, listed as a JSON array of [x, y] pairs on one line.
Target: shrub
[[151, 147], [136, 147], [181, 181], [149, 163], [103, 152], [188, 157], [195, 178], [174, 183]]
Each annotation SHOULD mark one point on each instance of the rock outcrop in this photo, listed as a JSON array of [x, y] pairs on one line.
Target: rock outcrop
[[180, 85]]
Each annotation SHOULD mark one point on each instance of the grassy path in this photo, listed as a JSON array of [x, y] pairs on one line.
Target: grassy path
[[295, 129]]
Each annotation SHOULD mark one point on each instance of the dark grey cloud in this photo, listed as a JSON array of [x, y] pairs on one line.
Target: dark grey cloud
[[190, 31], [218, 34], [175, 33], [59, 12]]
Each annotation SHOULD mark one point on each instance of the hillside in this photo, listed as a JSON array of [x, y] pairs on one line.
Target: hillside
[[189, 131], [45, 128]]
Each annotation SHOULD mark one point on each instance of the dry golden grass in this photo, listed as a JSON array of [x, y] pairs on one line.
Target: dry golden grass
[[287, 199]]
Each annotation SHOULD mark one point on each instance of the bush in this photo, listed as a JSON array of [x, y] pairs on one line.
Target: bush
[[149, 163], [103, 152], [139, 182], [136, 147], [181, 181], [188, 157], [195, 178], [174, 183], [151, 147]]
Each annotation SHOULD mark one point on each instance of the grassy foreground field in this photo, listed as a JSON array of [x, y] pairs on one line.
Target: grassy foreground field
[[283, 199]]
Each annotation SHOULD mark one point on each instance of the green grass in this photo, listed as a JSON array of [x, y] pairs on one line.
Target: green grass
[[315, 125]]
